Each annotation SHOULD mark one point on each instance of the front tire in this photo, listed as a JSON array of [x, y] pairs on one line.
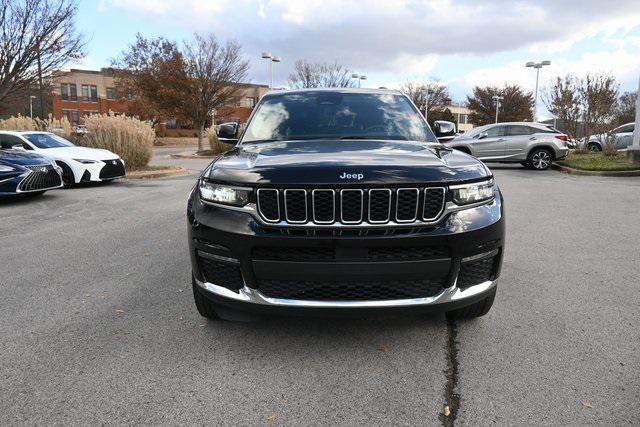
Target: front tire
[[68, 178], [205, 307], [594, 147], [540, 159], [472, 311]]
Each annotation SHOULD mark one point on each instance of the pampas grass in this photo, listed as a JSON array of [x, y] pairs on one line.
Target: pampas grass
[[60, 127]]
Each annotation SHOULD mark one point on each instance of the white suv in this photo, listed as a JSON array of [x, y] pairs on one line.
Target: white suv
[[535, 145]]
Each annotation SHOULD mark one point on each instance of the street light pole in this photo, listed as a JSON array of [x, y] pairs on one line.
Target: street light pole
[[497, 100], [271, 58], [537, 66], [31, 98], [359, 77]]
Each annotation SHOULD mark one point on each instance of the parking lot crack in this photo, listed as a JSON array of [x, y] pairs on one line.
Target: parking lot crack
[[451, 396]]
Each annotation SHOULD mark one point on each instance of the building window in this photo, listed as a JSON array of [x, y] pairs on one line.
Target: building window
[[73, 92], [249, 102], [85, 92], [462, 119], [94, 93], [64, 91], [71, 115], [111, 93]]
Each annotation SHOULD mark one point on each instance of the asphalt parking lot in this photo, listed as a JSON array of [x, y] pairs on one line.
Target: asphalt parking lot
[[97, 322]]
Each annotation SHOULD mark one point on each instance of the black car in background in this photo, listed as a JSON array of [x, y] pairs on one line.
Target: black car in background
[[23, 173], [343, 200]]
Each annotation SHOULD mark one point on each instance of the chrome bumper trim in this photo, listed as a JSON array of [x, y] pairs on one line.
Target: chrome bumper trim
[[254, 296]]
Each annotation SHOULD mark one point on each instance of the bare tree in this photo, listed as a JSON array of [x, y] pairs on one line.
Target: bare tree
[[432, 96], [598, 94], [215, 74], [310, 75], [563, 101], [37, 37]]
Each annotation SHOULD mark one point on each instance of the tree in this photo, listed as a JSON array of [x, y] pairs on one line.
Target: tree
[[432, 95], [563, 101], [151, 75], [625, 108], [215, 74], [319, 74], [598, 94], [516, 105], [37, 37]]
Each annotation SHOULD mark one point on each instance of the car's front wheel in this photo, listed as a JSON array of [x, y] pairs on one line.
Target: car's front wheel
[[540, 159], [474, 310], [68, 179], [205, 307], [594, 147]]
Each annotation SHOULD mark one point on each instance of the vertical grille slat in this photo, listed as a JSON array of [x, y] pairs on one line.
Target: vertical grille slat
[[269, 205], [433, 203], [379, 205], [324, 206], [351, 206], [295, 206], [407, 204]]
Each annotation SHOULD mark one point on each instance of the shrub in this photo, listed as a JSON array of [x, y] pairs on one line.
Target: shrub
[[128, 137], [61, 127]]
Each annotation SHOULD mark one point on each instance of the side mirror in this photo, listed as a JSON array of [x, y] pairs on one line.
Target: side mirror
[[444, 130], [228, 131], [483, 135], [19, 147]]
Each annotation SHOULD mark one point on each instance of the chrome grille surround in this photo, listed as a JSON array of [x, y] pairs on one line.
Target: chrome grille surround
[[358, 204]]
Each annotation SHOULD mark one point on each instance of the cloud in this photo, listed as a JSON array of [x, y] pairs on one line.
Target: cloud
[[401, 37]]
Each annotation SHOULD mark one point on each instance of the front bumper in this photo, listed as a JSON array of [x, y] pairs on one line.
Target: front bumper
[[232, 238]]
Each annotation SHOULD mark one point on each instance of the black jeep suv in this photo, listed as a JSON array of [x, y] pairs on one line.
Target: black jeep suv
[[343, 200]]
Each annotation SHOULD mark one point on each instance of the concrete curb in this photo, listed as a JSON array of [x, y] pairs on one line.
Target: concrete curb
[[191, 155], [157, 174], [572, 171]]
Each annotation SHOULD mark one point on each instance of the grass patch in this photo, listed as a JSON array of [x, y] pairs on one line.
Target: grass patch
[[599, 162]]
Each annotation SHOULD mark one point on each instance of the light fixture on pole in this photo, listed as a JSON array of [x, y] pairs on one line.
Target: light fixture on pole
[[359, 77], [537, 66], [31, 98], [497, 100], [271, 58]]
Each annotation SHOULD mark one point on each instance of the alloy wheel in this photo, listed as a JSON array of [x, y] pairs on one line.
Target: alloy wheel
[[541, 160]]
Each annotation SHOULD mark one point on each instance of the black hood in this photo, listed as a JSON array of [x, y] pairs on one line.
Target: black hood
[[345, 162], [22, 158]]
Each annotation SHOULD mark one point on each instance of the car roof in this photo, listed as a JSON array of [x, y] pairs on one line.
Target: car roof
[[23, 132], [336, 90]]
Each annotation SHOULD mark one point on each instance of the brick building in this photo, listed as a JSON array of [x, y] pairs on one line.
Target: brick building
[[79, 93]]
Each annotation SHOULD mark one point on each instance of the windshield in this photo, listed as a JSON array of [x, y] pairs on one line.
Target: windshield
[[336, 115], [47, 140]]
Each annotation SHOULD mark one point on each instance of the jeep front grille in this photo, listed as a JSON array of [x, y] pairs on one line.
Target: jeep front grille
[[350, 206]]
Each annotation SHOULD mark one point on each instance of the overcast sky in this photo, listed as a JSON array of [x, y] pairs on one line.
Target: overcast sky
[[459, 42]]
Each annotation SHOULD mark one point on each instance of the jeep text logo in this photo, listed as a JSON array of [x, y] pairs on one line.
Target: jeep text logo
[[357, 176]]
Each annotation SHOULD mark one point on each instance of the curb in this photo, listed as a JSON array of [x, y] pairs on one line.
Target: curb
[[160, 174], [191, 155], [572, 171]]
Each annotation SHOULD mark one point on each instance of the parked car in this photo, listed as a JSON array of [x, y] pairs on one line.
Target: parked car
[[23, 173], [344, 200], [534, 145], [79, 164], [622, 137]]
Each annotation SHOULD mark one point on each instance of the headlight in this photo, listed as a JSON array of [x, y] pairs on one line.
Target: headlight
[[472, 193], [86, 161], [224, 194], [4, 168]]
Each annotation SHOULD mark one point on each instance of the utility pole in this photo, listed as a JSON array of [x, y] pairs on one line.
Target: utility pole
[[497, 100]]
